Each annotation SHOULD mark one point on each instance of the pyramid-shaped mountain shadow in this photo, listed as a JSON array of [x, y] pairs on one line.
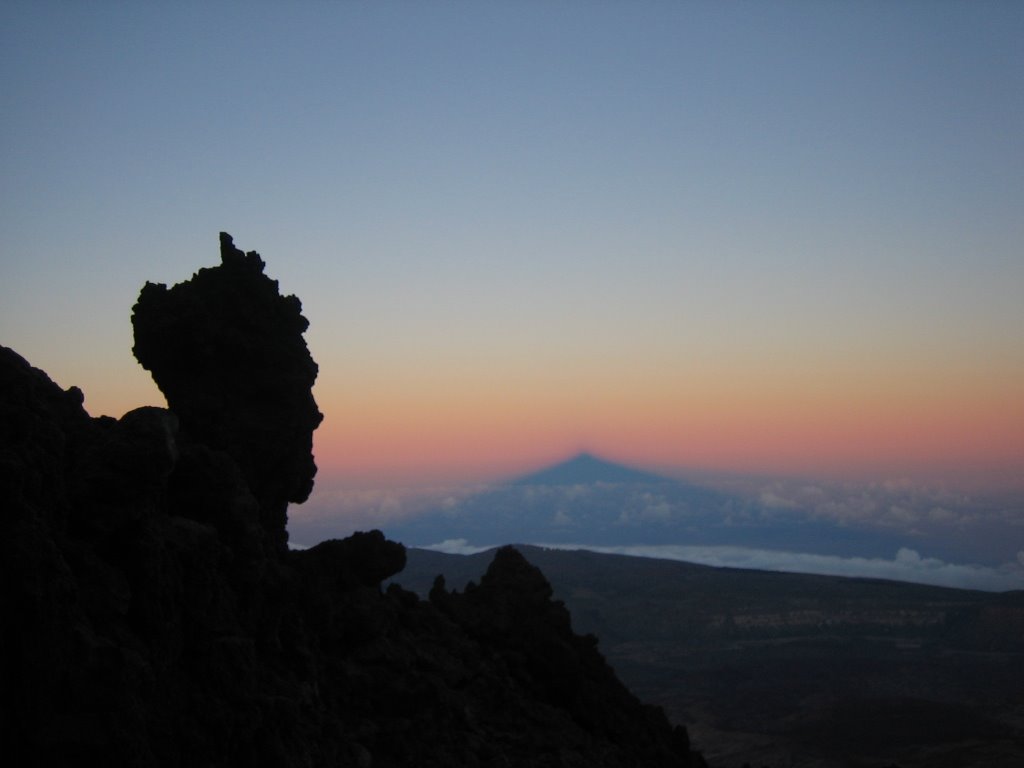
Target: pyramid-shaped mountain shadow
[[584, 500], [589, 501], [585, 468]]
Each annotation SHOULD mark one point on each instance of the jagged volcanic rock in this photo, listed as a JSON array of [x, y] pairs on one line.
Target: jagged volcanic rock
[[226, 350], [151, 617], [513, 612]]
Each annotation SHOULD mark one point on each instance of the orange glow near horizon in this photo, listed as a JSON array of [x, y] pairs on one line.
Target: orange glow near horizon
[[967, 429], [416, 422]]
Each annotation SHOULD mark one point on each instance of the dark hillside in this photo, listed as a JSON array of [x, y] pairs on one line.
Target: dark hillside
[[794, 669], [153, 615]]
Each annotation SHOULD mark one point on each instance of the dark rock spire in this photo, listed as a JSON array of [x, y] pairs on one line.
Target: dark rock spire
[[227, 351]]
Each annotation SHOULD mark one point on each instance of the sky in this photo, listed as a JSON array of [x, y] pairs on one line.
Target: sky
[[778, 238]]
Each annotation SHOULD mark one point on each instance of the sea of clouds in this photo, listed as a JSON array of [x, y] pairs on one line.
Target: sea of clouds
[[889, 530]]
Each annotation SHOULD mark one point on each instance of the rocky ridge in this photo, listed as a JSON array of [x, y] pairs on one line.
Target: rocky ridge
[[154, 616]]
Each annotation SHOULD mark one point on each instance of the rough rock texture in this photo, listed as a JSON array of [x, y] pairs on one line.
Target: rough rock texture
[[151, 617]]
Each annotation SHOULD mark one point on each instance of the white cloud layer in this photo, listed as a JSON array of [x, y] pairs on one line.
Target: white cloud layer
[[377, 506], [456, 547], [894, 504]]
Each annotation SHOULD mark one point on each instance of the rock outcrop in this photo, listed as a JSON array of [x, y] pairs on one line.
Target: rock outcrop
[[152, 615], [226, 350]]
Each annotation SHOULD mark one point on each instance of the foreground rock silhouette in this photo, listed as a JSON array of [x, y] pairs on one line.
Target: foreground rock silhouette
[[153, 615], [226, 350]]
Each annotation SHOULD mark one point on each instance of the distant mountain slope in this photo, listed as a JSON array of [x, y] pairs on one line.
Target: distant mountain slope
[[586, 468], [790, 669]]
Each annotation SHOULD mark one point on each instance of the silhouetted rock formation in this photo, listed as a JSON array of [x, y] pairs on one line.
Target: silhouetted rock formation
[[226, 349], [512, 612], [152, 617]]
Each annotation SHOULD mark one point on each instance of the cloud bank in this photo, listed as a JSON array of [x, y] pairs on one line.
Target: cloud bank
[[893, 530]]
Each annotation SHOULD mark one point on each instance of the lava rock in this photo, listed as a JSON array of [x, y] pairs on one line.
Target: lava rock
[[226, 350]]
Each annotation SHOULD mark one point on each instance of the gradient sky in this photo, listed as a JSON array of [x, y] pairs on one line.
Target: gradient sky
[[775, 237]]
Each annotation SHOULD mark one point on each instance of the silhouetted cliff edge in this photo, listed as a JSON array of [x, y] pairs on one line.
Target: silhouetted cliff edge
[[153, 615]]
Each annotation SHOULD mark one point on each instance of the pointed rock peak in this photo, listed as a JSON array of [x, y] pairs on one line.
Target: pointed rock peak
[[510, 571], [232, 256], [585, 468]]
